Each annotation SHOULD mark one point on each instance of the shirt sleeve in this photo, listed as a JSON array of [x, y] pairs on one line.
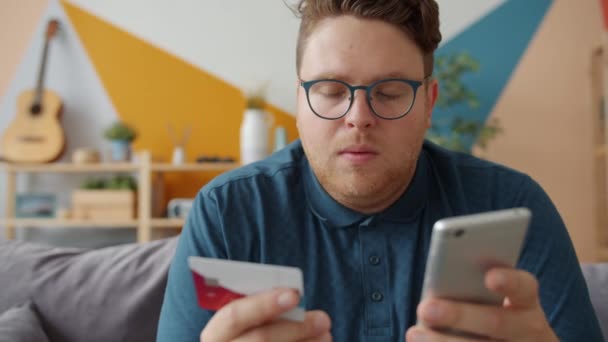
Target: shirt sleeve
[[181, 318], [549, 254]]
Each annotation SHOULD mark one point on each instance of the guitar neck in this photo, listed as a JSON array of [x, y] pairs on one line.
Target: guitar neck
[[41, 72]]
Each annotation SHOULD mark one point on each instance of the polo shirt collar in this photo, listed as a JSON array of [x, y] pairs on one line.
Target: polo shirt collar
[[405, 209]]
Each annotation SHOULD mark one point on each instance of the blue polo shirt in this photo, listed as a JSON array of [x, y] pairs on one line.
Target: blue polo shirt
[[366, 271]]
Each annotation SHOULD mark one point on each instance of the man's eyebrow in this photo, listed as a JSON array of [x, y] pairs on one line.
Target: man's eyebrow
[[346, 78], [330, 76]]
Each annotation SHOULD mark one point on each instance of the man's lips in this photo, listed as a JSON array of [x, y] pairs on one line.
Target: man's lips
[[358, 154], [358, 150]]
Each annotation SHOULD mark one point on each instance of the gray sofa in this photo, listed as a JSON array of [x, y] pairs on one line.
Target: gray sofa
[[67, 294], [114, 293]]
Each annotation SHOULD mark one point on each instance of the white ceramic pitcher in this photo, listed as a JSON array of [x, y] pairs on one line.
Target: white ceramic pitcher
[[255, 129]]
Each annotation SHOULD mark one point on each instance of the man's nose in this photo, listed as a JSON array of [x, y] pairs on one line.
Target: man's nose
[[360, 114]]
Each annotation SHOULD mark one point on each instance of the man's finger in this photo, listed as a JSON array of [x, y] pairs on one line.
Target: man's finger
[[246, 313], [480, 320], [323, 338], [314, 326], [417, 333], [520, 287]]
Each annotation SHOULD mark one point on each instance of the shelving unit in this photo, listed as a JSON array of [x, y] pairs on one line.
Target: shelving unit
[[144, 168]]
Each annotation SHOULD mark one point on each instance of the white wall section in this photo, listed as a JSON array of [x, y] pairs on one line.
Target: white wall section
[[242, 42]]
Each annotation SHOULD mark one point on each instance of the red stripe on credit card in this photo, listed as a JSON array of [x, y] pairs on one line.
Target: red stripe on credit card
[[212, 297]]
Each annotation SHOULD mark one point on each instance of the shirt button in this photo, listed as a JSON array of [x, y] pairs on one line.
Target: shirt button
[[374, 260], [377, 296]]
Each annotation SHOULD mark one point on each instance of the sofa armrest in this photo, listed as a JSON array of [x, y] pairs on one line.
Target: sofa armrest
[[596, 276]]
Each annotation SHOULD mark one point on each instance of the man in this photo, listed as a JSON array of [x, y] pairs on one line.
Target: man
[[352, 204]]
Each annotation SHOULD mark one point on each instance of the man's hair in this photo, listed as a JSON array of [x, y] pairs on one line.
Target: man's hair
[[418, 19]]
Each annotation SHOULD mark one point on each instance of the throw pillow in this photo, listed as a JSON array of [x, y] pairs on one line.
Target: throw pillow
[[108, 294], [21, 324]]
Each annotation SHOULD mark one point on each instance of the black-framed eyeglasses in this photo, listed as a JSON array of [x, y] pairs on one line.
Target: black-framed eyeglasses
[[389, 99]]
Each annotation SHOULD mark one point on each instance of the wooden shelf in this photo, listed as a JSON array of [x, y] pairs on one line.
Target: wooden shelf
[[167, 223], [144, 168], [68, 223], [164, 167], [70, 167], [115, 167]]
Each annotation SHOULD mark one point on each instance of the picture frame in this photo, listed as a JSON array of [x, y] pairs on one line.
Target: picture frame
[[35, 205]]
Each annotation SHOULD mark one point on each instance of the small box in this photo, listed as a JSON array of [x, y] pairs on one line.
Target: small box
[[104, 204]]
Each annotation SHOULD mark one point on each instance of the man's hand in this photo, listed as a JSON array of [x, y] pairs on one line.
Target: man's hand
[[255, 318], [521, 318]]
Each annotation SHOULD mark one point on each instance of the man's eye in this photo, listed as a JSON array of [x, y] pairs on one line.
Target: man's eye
[[386, 96], [333, 92]]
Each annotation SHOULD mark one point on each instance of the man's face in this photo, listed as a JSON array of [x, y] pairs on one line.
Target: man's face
[[361, 159]]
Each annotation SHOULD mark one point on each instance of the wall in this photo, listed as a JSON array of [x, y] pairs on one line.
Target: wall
[[547, 116], [18, 20], [154, 62]]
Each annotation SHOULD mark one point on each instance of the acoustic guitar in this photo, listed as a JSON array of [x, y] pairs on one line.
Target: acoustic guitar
[[36, 135]]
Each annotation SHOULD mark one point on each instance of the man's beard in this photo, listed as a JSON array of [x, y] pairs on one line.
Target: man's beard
[[358, 186]]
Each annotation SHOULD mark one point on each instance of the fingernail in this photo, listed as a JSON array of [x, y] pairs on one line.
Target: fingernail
[[417, 336], [321, 323], [434, 311], [499, 279], [287, 299]]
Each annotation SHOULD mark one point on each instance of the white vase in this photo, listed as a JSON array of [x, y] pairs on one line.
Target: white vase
[[178, 156], [255, 129]]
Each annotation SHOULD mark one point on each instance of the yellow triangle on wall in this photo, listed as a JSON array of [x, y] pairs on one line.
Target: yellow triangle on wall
[[151, 89]]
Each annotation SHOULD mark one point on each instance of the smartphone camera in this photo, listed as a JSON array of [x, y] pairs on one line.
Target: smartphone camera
[[458, 233]]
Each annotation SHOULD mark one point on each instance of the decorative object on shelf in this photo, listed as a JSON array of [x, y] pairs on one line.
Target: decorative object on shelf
[[179, 143], [62, 213], [118, 182], [280, 138], [459, 133], [120, 136], [36, 135], [85, 155], [35, 205], [99, 198], [214, 159], [179, 207], [255, 127], [103, 204]]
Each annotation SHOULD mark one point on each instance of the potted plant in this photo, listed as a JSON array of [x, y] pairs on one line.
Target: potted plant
[[99, 198], [457, 132], [120, 136]]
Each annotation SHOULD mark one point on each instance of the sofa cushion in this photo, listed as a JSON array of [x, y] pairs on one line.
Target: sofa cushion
[[109, 294], [596, 276], [16, 269], [21, 324]]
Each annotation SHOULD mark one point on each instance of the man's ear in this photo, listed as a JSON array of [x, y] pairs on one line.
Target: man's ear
[[431, 94], [297, 83]]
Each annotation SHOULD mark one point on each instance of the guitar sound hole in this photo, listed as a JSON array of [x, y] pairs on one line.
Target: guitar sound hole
[[36, 109]]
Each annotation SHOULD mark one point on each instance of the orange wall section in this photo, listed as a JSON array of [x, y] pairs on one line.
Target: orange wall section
[[18, 22], [151, 88], [547, 116]]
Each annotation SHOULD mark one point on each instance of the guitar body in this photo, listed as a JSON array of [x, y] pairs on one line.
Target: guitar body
[[35, 138], [35, 135]]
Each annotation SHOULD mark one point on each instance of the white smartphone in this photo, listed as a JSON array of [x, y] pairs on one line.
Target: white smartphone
[[464, 248]]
